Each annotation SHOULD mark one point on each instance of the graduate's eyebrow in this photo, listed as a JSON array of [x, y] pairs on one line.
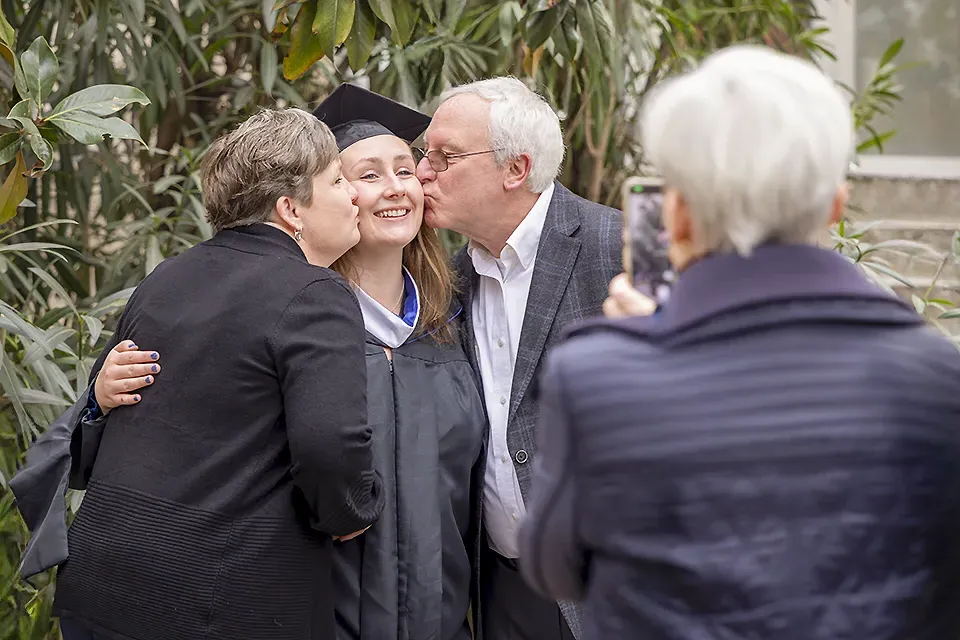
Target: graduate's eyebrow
[[379, 160]]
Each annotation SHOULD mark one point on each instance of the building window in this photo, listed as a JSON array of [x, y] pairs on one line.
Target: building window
[[927, 143]]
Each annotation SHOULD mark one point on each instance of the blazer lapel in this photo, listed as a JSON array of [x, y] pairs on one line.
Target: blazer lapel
[[556, 255]]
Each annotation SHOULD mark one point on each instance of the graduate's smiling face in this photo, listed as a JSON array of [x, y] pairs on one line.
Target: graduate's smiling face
[[390, 197]]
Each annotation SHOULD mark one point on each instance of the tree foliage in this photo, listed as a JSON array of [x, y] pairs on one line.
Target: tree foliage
[[111, 103]]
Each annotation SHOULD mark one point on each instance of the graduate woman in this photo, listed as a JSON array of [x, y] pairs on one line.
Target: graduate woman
[[409, 576]]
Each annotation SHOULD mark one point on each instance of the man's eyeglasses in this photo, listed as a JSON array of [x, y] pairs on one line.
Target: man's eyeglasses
[[440, 160]]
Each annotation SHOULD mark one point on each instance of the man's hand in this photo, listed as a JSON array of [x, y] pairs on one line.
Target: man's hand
[[125, 370], [624, 300]]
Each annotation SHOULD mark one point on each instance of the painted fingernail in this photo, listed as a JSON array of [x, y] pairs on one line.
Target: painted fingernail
[[154, 355], [131, 346], [148, 379], [154, 368], [136, 398]]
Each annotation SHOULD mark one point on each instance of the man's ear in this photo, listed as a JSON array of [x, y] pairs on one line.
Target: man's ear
[[680, 227], [518, 169], [840, 203]]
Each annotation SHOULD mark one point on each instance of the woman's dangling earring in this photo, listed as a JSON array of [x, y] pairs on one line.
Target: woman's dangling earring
[[298, 235]]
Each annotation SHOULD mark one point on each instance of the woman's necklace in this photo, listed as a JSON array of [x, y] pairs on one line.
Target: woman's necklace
[[398, 305]]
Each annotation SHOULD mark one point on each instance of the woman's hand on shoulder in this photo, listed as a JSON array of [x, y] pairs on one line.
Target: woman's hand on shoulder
[[125, 370]]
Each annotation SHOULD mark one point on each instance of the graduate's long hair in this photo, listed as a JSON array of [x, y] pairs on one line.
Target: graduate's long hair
[[429, 265]]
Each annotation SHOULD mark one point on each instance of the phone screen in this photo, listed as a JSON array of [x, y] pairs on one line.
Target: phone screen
[[645, 257]]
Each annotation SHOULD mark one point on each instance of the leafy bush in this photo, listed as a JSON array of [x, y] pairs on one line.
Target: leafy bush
[[86, 217]]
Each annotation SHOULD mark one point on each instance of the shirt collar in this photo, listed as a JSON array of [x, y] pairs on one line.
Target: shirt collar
[[524, 240], [386, 326]]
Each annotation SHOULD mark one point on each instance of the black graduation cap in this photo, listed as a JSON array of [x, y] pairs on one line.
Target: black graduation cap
[[354, 114]]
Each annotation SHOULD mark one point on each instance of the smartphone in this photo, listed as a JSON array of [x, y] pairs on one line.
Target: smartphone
[[645, 257]]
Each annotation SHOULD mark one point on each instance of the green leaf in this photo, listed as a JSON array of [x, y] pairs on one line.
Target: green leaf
[[13, 190], [9, 145], [400, 16], [892, 51], [268, 14], [919, 304], [875, 140], [539, 26], [19, 81], [7, 34], [7, 54], [36, 396], [86, 128], [587, 25], [55, 287], [508, 17], [114, 301], [23, 247], [11, 389], [362, 37], [173, 16], [20, 110], [100, 100], [455, 9], [949, 315], [305, 48], [40, 147], [604, 26], [268, 66], [406, 13], [166, 182], [433, 9], [139, 9], [154, 255], [40, 70], [332, 23]]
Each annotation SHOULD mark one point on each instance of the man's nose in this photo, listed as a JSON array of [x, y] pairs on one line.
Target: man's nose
[[425, 172]]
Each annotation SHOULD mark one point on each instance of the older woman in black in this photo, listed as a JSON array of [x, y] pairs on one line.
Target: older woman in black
[[210, 509]]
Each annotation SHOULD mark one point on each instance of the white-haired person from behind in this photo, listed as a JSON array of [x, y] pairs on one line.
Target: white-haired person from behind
[[774, 454]]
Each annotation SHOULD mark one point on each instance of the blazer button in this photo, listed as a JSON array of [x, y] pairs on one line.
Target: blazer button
[[522, 456]]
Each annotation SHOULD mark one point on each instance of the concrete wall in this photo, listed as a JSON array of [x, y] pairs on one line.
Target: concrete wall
[[927, 211]]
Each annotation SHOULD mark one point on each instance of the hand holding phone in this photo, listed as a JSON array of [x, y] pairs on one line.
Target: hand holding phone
[[645, 256]]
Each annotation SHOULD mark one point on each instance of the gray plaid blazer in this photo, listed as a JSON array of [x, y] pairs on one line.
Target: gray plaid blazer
[[579, 253]]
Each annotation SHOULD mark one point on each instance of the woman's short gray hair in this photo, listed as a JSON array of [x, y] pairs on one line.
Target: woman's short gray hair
[[757, 143], [521, 121], [272, 154]]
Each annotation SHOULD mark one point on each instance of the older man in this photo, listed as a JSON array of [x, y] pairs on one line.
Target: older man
[[776, 454], [539, 258]]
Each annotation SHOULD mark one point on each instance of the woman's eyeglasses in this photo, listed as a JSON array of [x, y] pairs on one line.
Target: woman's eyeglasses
[[440, 160]]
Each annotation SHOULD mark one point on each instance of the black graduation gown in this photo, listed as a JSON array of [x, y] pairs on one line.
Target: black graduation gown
[[408, 577]]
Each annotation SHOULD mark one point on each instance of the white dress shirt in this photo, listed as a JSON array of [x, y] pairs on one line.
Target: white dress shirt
[[498, 309], [385, 325]]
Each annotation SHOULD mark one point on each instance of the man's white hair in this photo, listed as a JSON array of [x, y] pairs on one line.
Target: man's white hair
[[521, 121], [757, 143]]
